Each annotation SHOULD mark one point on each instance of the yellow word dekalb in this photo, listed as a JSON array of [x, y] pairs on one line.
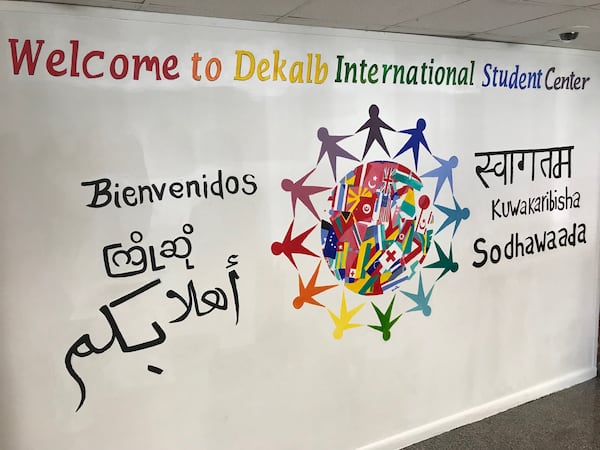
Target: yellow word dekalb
[[310, 70]]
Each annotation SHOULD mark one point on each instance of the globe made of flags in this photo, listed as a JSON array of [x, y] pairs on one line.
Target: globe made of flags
[[377, 233]]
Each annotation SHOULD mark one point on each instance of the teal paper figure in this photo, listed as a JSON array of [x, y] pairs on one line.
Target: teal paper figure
[[420, 299], [444, 262], [455, 216]]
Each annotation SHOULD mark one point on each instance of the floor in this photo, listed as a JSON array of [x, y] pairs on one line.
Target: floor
[[569, 419]]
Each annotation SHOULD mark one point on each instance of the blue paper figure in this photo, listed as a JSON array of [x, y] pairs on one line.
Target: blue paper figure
[[443, 173], [415, 141]]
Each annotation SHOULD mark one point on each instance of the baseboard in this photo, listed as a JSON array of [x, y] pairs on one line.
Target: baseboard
[[431, 429]]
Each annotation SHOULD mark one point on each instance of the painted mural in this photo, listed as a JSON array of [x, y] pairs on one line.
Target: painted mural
[[385, 221]]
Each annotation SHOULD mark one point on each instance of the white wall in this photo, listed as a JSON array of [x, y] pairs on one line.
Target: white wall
[[498, 335]]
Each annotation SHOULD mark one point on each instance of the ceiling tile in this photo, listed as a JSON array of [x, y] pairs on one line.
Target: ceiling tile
[[372, 13], [564, 2], [234, 9], [194, 11], [513, 39], [118, 4], [293, 20], [523, 21], [478, 16], [425, 31], [583, 21]]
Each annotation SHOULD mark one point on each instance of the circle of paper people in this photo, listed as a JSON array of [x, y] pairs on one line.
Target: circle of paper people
[[378, 230]]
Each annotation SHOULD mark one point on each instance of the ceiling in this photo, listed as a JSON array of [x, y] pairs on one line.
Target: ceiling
[[537, 22]]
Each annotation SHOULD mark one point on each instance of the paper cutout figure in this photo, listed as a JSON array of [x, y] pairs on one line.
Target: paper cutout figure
[[420, 299], [444, 262], [330, 146], [415, 141], [342, 323], [290, 246], [374, 124], [385, 320], [454, 216], [443, 173], [306, 293], [301, 192]]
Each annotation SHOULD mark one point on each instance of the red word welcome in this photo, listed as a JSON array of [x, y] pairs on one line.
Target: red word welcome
[[93, 64]]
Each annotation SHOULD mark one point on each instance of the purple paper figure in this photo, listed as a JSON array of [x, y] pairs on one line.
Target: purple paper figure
[[301, 192], [374, 124], [330, 146]]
